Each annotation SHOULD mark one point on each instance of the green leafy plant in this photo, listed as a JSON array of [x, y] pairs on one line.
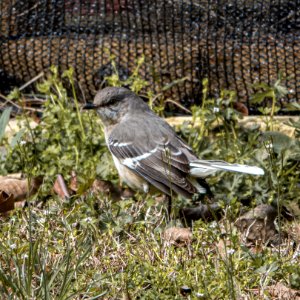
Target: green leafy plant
[[64, 141], [269, 94]]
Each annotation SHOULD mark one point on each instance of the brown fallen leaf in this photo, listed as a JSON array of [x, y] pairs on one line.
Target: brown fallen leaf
[[7, 202], [241, 107], [60, 188], [107, 188], [127, 193], [98, 187], [257, 226], [178, 236], [280, 291], [103, 186], [15, 190], [73, 185], [19, 187]]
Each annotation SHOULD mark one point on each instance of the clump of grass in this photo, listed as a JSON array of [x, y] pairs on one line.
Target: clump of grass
[[91, 247]]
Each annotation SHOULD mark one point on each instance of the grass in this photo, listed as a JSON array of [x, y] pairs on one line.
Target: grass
[[64, 252], [92, 246]]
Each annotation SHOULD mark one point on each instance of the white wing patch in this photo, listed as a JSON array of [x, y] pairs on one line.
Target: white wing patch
[[117, 144], [132, 162]]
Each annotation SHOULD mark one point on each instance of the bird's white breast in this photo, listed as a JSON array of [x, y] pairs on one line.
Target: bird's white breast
[[128, 176]]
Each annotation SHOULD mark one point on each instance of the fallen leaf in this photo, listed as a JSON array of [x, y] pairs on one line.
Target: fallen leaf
[[102, 186], [178, 236], [127, 193], [257, 226], [19, 187], [107, 188], [73, 182], [241, 107], [60, 187], [280, 291], [15, 190], [7, 202], [98, 187]]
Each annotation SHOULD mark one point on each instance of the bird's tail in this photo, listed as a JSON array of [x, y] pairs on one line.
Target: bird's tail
[[203, 168]]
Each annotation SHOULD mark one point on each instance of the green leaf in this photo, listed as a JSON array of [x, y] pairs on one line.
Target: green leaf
[[17, 138], [4, 121], [259, 97], [281, 90], [293, 106], [261, 85], [14, 94], [279, 140]]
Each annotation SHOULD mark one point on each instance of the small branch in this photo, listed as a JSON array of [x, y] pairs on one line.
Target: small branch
[[31, 81], [179, 105], [16, 105]]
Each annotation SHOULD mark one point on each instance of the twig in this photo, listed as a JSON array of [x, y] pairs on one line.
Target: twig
[[31, 81], [28, 10], [179, 105], [18, 106]]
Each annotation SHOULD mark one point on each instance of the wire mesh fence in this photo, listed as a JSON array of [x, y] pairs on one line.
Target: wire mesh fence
[[232, 43]]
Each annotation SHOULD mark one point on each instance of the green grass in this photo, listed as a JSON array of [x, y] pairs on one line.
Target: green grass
[[64, 251], [93, 247]]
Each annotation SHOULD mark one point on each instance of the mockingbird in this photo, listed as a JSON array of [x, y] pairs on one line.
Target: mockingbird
[[146, 150]]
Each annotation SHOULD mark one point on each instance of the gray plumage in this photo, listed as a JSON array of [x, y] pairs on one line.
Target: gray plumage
[[146, 150]]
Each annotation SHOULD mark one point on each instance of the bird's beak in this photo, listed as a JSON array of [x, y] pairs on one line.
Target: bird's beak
[[89, 106]]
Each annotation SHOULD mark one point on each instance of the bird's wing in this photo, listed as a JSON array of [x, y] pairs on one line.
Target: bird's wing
[[152, 150]]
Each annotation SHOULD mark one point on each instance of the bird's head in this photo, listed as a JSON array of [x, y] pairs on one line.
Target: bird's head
[[113, 103]]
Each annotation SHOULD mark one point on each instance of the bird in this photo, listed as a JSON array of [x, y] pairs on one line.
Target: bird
[[148, 153]]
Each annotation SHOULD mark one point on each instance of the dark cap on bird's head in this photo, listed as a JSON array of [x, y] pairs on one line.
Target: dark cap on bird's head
[[110, 95], [106, 96], [112, 103]]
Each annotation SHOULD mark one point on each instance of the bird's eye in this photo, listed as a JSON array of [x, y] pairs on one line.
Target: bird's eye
[[112, 101]]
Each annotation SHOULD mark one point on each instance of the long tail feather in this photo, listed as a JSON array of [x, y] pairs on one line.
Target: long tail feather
[[203, 168]]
